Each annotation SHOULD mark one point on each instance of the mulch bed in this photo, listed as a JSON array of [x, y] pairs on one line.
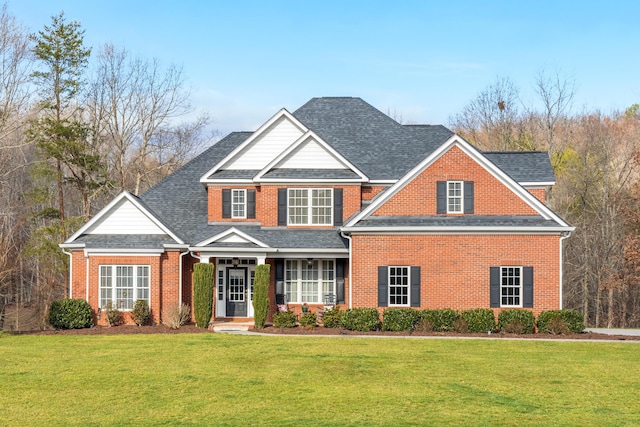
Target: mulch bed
[[192, 329]]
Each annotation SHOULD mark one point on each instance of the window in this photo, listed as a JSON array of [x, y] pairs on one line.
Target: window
[[398, 286], [238, 203], [454, 197], [510, 286], [310, 206], [309, 281], [122, 285]]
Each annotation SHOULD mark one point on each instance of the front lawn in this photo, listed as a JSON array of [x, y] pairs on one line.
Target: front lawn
[[219, 379]]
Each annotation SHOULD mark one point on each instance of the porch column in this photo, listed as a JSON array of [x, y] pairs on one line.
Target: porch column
[[204, 259], [260, 259]]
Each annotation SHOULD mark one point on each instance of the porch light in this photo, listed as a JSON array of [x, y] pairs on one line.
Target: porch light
[[235, 262], [309, 262]]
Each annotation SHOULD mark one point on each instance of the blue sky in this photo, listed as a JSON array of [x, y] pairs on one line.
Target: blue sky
[[423, 60]]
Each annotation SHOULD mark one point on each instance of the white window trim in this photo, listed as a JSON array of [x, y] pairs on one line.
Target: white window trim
[[244, 204], [309, 207], [321, 282], [461, 197], [408, 304], [113, 268], [521, 296]]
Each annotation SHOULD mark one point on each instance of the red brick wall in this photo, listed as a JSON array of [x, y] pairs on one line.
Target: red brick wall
[[267, 202], [370, 191], [455, 268], [418, 197], [540, 194]]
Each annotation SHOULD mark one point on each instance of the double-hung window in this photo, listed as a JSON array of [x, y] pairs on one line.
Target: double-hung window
[[511, 286], [238, 203], [398, 286], [310, 206], [122, 285], [308, 281], [455, 197]]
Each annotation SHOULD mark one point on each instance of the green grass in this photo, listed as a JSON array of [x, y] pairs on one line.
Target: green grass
[[218, 379]]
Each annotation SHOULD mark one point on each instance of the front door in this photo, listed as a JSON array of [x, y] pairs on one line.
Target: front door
[[236, 292]]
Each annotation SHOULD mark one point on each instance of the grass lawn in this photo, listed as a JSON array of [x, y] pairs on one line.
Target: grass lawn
[[219, 379]]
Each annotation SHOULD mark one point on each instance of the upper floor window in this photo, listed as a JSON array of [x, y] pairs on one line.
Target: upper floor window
[[238, 203], [454, 197], [310, 206]]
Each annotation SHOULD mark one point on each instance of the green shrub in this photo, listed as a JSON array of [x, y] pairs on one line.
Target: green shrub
[[284, 319], [203, 275], [309, 320], [442, 320], [516, 321], [141, 313], [424, 325], [331, 318], [260, 295], [479, 319], [113, 314], [70, 314], [460, 326], [360, 319], [572, 318], [399, 319]]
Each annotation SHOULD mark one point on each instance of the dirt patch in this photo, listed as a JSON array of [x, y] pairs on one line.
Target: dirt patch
[[122, 330]]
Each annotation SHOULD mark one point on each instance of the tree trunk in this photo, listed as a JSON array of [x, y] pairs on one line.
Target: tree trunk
[[610, 309]]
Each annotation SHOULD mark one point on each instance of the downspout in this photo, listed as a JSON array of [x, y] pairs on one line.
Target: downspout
[[563, 236], [86, 257], [180, 278], [348, 237], [70, 272]]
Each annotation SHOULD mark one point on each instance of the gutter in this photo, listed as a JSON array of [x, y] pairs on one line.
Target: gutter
[[348, 237], [564, 236]]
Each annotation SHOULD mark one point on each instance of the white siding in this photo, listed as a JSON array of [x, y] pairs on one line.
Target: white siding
[[232, 238], [310, 155], [125, 218], [275, 139]]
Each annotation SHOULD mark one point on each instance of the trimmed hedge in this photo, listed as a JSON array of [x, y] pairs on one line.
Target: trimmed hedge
[[309, 320], [441, 320], [141, 313], [479, 320], [572, 318], [331, 318], [516, 321], [284, 319], [360, 319], [399, 319], [70, 314], [203, 275], [260, 295]]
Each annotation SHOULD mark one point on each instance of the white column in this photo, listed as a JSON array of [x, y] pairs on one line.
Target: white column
[[260, 259], [204, 259]]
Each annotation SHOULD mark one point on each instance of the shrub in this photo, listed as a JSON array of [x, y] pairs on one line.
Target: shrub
[[308, 320], [442, 320], [557, 326], [572, 318], [424, 325], [260, 299], [399, 319], [141, 313], [176, 315], [113, 314], [479, 319], [203, 293], [284, 319], [516, 321], [331, 318], [460, 326], [70, 314], [360, 319]]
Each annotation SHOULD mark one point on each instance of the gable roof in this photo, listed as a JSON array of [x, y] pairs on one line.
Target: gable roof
[[525, 167]]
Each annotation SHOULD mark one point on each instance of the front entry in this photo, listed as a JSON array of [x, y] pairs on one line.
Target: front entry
[[237, 292]]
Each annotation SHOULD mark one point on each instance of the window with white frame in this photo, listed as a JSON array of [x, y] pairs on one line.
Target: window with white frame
[[238, 203], [454, 197], [122, 285], [310, 206], [399, 285], [511, 286], [309, 280]]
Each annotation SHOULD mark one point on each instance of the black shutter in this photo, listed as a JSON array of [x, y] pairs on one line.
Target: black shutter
[[251, 203], [282, 206], [337, 206], [226, 203], [415, 287], [468, 197], [340, 281], [441, 197], [279, 277], [494, 286], [527, 282], [383, 288]]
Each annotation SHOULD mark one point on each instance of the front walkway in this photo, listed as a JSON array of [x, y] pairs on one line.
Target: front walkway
[[614, 331]]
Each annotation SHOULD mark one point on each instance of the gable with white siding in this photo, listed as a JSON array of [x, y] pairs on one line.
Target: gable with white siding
[[310, 155], [125, 218]]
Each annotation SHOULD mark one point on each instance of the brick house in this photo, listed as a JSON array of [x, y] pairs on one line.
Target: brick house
[[339, 199]]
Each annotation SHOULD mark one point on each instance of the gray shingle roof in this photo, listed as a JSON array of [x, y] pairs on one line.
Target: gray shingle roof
[[524, 166], [124, 241], [457, 221], [311, 174], [234, 174]]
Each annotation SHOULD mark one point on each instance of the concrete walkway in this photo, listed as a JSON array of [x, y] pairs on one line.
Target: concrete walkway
[[614, 331]]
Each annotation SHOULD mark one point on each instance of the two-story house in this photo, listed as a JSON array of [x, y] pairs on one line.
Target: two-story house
[[339, 199]]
